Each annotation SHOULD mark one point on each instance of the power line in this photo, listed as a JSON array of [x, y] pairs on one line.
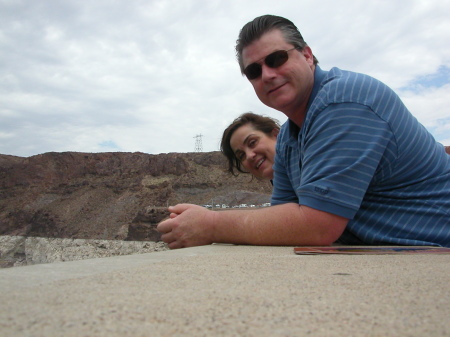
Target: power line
[[198, 143]]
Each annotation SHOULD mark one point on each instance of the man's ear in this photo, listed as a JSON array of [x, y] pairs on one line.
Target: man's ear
[[275, 132], [308, 54]]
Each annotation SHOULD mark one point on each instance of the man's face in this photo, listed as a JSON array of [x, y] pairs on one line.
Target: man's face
[[288, 87]]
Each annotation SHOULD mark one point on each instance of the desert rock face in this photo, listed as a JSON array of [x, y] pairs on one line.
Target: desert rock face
[[109, 196], [112, 196], [69, 206]]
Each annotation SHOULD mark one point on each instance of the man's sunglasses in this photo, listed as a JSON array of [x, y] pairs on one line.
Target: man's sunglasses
[[274, 60]]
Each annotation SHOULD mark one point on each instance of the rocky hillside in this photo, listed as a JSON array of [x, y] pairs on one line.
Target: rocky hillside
[[112, 196]]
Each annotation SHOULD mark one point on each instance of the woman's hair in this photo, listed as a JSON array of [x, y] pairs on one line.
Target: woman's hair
[[258, 122]]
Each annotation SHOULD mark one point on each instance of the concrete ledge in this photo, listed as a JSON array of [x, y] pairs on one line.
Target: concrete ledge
[[226, 290]]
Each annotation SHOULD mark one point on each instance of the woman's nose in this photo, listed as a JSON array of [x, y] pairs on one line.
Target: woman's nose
[[250, 154]]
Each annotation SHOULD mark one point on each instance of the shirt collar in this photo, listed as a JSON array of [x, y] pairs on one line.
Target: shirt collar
[[319, 75]]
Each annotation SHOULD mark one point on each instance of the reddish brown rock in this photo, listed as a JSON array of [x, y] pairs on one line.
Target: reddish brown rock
[[112, 195]]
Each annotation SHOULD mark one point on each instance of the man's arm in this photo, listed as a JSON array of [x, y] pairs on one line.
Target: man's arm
[[288, 224]]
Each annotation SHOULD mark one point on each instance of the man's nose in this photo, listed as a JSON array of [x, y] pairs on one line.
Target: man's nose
[[267, 72]]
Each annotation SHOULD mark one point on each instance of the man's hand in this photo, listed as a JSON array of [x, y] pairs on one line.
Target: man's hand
[[284, 225], [188, 225]]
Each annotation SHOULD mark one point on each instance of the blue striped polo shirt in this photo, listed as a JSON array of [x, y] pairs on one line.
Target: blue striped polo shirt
[[362, 155]]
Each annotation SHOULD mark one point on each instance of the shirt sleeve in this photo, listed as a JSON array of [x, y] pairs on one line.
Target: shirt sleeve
[[341, 149]]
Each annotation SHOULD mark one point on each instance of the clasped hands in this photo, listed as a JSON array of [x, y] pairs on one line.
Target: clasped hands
[[188, 225]]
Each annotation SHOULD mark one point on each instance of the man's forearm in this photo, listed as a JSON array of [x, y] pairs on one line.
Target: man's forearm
[[287, 224]]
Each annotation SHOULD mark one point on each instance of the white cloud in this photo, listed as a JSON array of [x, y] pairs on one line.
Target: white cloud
[[430, 107], [150, 75]]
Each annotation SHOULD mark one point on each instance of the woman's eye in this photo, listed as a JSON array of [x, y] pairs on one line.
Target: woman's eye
[[252, 143]]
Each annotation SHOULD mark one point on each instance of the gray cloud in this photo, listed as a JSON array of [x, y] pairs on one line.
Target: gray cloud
[[150, 75]]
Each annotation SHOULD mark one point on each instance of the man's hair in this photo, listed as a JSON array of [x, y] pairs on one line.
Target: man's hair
[[253, 30], [258, 122]]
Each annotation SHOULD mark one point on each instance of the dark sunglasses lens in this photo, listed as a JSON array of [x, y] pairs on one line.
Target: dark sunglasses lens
[[253, 71], [277, 59], [273, 60]]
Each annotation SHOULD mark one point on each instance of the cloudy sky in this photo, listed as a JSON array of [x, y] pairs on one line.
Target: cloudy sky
[[150, 75]]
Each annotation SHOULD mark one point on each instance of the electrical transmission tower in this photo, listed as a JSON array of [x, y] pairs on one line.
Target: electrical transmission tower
[[198, 143]]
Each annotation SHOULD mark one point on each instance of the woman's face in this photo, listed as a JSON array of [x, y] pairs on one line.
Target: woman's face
[[255, 150]]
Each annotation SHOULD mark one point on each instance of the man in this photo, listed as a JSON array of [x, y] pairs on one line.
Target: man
[[352, 164]]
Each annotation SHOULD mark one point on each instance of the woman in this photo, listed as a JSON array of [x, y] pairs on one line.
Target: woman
[[249, 145]]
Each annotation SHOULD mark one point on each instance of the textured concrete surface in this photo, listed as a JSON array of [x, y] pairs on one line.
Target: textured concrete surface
[[225, 290]]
